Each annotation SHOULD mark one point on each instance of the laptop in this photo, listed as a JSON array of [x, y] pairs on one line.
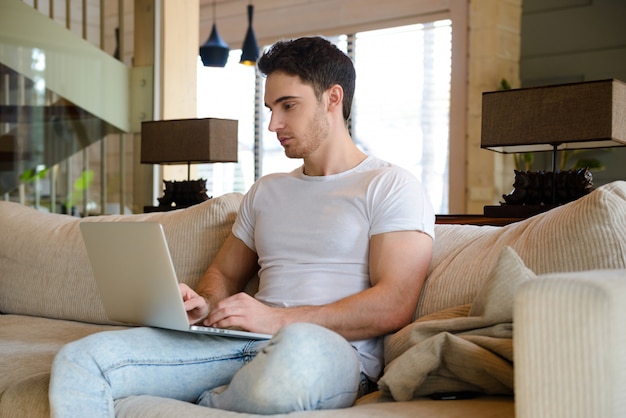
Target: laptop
[[136, 279]]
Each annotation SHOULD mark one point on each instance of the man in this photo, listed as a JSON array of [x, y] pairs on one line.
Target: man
[[341, 246]]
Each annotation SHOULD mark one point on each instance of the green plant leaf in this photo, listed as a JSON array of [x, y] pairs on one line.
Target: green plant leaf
[[83, 181], [590, 163], [504, 85], [33, 174]]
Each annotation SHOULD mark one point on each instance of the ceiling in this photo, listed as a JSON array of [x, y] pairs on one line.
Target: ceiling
[[276, 19]]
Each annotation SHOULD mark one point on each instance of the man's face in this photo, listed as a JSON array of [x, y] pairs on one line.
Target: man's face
[[298, 118]]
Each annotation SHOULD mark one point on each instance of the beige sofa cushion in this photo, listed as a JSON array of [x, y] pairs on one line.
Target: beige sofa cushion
[[587, 234], [483, 407], [28, 344], [44, 256]]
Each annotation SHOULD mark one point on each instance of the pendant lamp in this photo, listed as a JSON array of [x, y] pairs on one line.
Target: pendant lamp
[[214, 52], [250, 49]]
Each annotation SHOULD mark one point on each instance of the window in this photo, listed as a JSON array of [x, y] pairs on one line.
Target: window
[[400, 111], [402, 101], [229, 93]]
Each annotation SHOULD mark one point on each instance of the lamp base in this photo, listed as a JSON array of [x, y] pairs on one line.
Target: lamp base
[[539, 191], [182, 194], [549, 188]]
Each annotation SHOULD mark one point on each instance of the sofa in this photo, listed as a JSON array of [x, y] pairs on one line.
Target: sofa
[[559, 277]]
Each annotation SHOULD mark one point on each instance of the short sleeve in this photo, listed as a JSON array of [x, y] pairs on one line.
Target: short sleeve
[[400, 203]]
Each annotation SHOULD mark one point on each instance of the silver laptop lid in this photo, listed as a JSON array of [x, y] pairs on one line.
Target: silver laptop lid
[[135, 274]]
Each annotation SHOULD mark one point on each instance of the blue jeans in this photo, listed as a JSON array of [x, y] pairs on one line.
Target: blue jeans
[[303, 367]]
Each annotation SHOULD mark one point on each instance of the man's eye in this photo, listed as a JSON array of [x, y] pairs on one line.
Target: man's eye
[[288, 106]]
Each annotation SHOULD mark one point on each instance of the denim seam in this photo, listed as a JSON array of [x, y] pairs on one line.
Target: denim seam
[[246, 355]]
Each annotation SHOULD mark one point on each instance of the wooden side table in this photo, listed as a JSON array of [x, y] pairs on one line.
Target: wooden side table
[[475, 220]]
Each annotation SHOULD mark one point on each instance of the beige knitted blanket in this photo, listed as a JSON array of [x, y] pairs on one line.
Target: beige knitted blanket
[[465, 348]]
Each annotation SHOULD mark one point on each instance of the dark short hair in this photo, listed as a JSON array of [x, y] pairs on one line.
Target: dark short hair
[[317, 62]]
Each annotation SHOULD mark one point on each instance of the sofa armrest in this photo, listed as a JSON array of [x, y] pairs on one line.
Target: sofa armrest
[[570, 345]]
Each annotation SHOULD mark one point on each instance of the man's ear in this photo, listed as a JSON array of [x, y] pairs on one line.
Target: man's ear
[[335, 98]]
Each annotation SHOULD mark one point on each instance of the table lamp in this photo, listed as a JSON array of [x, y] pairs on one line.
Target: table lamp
[[551, 118], [187, 141]]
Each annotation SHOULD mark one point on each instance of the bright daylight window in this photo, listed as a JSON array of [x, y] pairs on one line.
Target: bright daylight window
[[229, 93], [400, 111]]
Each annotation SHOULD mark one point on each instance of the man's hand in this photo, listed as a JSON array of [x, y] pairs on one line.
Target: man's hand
[[242, 311], [195, 305]]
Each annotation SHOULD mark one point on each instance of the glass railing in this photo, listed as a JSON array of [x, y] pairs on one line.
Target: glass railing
[[64, 118], [45, 147]]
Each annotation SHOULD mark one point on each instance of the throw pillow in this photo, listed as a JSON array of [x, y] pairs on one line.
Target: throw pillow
[[497, 295]]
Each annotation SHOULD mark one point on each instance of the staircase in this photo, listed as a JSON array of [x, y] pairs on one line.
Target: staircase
[[59, 95]]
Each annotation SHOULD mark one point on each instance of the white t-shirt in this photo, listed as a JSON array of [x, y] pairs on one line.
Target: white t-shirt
[[311, 234]]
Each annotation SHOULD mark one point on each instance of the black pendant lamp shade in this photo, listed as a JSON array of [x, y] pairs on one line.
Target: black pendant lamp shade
[[214, 52], [250, 49]]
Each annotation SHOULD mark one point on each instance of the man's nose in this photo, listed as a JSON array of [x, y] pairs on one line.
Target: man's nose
[[275, 123]]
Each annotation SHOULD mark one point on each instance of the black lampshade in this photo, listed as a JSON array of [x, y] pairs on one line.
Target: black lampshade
[[214, 52], [186, 141], [590, 114], [250, 48]]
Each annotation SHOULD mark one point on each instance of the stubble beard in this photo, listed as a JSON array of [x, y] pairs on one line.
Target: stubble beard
[[316, 132]]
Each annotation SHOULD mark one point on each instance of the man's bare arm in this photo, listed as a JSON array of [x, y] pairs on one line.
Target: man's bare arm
[[228, 274]]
